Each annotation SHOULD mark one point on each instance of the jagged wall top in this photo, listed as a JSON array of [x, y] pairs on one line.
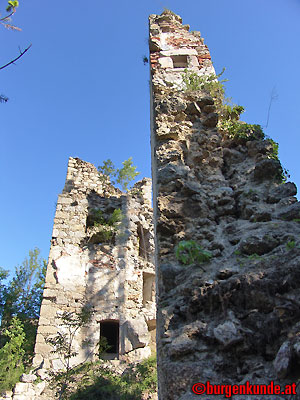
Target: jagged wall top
[[82, 177], [173, 48]]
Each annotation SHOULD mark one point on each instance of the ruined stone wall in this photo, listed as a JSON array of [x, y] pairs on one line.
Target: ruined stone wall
[[235, 318], [114, 276]]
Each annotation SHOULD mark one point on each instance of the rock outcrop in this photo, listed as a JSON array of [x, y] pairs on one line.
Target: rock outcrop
[[236, 317]]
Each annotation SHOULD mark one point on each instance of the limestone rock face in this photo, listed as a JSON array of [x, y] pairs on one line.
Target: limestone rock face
[[234, 318]]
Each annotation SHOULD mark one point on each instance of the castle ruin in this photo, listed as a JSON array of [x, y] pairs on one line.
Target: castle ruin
[[234, 318], [90, 264], [229, 320]]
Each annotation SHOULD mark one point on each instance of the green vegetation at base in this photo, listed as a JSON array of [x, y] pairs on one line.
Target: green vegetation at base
[[95, 380], [98, 382]]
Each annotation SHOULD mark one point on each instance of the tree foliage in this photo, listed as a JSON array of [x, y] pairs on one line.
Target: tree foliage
[[23, 295], [63, 345], [5, 21], [120, 176], [10, 9], [20, 301], [12, 354]]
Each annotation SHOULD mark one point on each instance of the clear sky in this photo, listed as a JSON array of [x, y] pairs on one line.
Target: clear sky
[[82, 91]]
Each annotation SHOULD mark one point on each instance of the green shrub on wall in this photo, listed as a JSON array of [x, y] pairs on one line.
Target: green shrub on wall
[[104, 228], [229, 115], [189, 252]]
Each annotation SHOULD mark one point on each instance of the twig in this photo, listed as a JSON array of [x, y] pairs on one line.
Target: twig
[[274, 96], [15, 59], [8, 16]]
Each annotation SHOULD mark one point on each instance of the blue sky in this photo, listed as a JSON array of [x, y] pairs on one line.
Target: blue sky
[[82, 91]]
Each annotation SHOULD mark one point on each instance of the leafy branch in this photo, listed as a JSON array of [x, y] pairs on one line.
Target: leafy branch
[[189, 251], [11, 9], [63, 343]]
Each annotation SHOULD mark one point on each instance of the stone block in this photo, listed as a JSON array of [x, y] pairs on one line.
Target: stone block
[[193, 61], [39, 388], [37, 360], [135, 334], [43, 373], [50, 293], [28, 378], [179, 52], [57, 364], [166, 62], [227, 334], [21, 387], [44, 321], [47, 329], [64, 200], [43, 349], [7, 395]]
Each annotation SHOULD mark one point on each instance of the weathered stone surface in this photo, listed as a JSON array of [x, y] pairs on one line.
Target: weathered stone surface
[[109, 274], [21, 387], [291, 212], [285, 190], [136, 334], [223, 320], [258, 244], [180, 347], [283, 360], [204, 101], [211, 120], [39, 388], [267, 169], [171, 172], [27, 378], [7, 395], [227, 334], [193, 109]]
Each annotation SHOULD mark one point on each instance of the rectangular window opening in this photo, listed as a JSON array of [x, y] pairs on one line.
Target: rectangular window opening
[[144, 242], [180, 61], [148, 287]]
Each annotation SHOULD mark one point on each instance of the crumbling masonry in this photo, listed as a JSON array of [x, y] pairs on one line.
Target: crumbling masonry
[[236, 318], [231, 320], [114, 275]]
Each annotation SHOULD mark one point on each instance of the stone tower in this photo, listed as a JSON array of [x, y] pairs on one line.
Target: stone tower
[[234, 318], [92, 264]]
